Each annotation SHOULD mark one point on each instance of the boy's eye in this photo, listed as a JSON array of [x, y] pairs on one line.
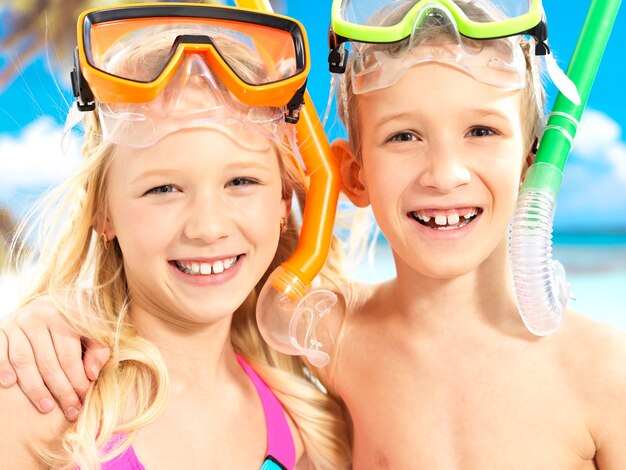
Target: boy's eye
[[241, 182], [481, 132], [166, 188], [403, 137]]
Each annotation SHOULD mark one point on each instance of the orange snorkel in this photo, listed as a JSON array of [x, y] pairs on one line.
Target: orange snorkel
[[288, 312]]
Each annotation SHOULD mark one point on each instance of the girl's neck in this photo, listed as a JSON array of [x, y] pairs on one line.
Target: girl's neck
[[197, 356]]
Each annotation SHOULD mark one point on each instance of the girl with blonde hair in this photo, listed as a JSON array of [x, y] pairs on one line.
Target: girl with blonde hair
[[158, 245]]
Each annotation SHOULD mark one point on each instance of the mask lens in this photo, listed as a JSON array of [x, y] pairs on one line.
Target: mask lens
[[271, 48]]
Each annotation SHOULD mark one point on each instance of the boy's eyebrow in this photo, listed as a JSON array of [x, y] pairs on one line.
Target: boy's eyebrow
[[487, 112]]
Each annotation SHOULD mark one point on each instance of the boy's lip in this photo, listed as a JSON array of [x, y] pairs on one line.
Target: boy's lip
[[445, 219]]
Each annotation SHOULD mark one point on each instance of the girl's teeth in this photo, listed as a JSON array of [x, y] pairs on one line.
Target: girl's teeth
[[207, 268], [218, 267]]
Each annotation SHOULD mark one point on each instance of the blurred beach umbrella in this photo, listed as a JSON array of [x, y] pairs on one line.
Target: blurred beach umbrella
[[7, 230], [30, 25]]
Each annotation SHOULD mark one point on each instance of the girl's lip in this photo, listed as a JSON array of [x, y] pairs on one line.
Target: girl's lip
[[203, 280]]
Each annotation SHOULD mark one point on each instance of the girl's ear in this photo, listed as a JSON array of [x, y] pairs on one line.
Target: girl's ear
[[285, 206], [351, 171], [102, 225]]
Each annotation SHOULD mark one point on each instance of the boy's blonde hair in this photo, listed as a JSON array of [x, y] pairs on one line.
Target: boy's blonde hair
[[533, 99], [87, 283]]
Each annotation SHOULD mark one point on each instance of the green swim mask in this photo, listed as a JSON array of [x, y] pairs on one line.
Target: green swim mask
[[482, 37], [351, 19]]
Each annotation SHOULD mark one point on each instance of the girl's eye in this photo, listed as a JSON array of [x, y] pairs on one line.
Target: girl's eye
[[241, 182], [166, 188], [403, 137], [481, 132]]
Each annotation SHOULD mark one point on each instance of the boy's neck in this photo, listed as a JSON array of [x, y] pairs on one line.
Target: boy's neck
[[483, 297]]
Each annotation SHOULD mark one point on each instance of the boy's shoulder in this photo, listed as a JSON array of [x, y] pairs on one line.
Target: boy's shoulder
[[23, 429], [594, 362], [594, 342]]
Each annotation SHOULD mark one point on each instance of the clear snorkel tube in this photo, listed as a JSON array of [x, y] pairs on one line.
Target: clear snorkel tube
[[290, 315], [539, 281]]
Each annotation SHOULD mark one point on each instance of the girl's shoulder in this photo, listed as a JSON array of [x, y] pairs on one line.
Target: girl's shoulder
[[24, 430]]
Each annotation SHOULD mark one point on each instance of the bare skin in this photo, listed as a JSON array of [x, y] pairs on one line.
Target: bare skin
[[436, 367], [452, 393]]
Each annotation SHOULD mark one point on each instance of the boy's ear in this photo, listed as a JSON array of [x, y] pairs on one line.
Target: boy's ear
[[351, 174], [529, 160]]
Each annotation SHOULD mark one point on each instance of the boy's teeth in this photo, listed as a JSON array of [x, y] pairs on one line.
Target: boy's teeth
[[216, 267], [446, 222], [441, 220]]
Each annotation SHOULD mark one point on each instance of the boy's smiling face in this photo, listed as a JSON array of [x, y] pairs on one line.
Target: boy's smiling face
[[442, 157]]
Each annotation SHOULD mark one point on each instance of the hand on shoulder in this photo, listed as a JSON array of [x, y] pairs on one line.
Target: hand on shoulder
[[23, 429]]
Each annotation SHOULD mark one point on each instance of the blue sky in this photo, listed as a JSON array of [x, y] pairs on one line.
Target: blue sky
[[593, 194]]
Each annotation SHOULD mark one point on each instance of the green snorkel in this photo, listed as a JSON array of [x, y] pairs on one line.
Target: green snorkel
[[539, 281]]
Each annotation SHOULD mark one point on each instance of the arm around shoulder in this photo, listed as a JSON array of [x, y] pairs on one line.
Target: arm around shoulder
[[23, 430]]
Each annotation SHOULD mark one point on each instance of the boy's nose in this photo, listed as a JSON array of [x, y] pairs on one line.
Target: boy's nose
[[207, 219], [445, 169]]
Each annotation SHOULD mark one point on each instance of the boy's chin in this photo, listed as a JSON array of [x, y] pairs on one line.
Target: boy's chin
[[437, 267]]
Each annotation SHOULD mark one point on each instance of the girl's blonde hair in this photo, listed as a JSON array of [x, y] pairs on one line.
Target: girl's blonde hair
[[87, 283]]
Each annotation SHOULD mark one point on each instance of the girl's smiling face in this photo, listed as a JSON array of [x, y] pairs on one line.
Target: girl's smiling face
[[442, 157], [197, 218]]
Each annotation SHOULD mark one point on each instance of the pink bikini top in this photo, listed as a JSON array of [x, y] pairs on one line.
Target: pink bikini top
[[280, 454]]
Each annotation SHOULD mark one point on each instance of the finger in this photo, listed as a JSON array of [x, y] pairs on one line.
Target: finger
[[69, 353], [7, 374], [29, 379], [53, 375], [96, 355]]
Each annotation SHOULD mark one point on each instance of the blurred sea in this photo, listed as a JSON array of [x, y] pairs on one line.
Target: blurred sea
[[595, 265]]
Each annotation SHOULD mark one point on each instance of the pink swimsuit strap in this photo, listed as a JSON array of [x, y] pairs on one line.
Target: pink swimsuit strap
[[280, 444]]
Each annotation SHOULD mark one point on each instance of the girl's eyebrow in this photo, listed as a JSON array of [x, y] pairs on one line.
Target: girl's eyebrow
[[385, 118], [248, 165], [154, 172]]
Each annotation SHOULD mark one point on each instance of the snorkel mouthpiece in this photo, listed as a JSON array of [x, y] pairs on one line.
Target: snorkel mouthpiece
[[291, 317]]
